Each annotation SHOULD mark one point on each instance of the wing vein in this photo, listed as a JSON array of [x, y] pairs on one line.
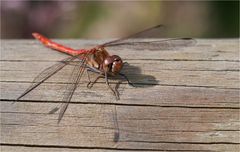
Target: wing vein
[[46, 74], [71, 87]]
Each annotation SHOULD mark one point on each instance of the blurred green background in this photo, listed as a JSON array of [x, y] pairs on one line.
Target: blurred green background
[[113, 19]]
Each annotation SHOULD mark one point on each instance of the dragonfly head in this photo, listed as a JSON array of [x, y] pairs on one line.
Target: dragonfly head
[[113, 64]]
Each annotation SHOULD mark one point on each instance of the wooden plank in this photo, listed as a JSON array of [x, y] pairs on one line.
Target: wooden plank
[[145, 65], [141, 127], [205, 49], [184, 100], [147, 95], [212, 79], [165, 73]]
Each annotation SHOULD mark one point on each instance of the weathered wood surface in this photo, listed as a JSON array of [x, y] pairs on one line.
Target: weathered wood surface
[[184, 100]]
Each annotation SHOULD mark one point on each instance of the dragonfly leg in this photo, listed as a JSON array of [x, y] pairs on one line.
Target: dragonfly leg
[[90, 83], [125, 63], [88, 77], [115, 92], [125, 77]]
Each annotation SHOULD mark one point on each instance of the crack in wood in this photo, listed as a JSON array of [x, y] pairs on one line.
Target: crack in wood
[[120, 104], [100, 148], [147, 84]]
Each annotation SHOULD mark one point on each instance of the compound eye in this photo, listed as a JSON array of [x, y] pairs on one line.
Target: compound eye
[[117, 60]]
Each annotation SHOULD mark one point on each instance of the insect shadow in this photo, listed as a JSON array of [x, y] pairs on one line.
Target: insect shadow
[[136, 78]]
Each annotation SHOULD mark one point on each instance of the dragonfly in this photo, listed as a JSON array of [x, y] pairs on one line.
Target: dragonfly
[[98, 60]]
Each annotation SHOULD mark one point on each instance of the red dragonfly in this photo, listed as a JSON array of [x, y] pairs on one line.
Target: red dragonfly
[[99, 61]]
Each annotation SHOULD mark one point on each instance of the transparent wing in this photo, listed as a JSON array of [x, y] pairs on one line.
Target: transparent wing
[[47, 73], [147, 33], [150, 39], [155, 44], [71, 87]]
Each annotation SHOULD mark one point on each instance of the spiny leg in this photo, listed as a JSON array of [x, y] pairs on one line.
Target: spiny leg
[[90, 82], [88, 77], [125, 63], [125, 77], [115, 92]]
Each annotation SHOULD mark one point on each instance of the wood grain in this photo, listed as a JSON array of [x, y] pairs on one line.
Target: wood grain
[[183, 100]]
